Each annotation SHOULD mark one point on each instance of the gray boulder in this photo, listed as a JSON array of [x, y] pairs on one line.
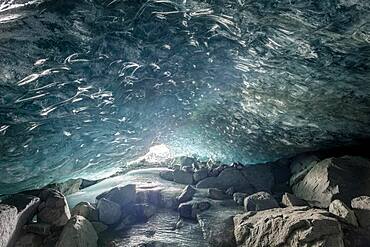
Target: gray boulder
[[150, 196], [260, 176], [291, 226], [217, 194], [99, 227], [239, 197], [332, 179], [8, 223], [301, 165], [120, 195], [361, 207], [182, 177], [167, 175], [68, 187], [109, 212], [343, 212], [53, 209], [187, 194], [189, 210], [200, 174], [42, 229], [260, 201], [86, 210], [290, 200], [78, 232], [29, 240]]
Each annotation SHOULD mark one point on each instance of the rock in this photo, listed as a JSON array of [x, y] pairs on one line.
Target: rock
[[332, 179], [78, 232], [26, 207], [53, 209], [126, 222], [187, 194], [149, 195], [68, 187], [144, 211], [291, 226], [217, 194], [167, 175], [229, 177], [99, 227], [182, 177], [29, 240], [86, 210], [361, 207], [189, 210], [260, 176], [8, 223], [200, 174], [187, 161], [290, 200], [300, 166], [87, 183], [230, 191], [120, 195], [260, 201], [38, 228], [109, 211], [344, 213], [239, 198]]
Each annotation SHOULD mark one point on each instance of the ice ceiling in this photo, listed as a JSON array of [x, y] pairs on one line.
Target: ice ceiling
[[88, 85]]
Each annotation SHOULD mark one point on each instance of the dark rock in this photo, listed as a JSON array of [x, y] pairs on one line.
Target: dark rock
[[68, 187], [149, 195], [167, 175], [187, 194], [361, 207], [332, 179], [86, 210], [290, 200], [239, 197], [260, 176], [230, 191], [260, 201], [301, 165], [182, 177], [343, 212], [29, 240], [109, 211], [217, 194], [144, 211], [291, 226], [53, 209], [120, 195], [78, 232], [189, 210], [87, 183], [99, 227], [38, 228], [200, 174]]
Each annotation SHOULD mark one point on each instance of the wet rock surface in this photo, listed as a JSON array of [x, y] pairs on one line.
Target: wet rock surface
[[260, 201]]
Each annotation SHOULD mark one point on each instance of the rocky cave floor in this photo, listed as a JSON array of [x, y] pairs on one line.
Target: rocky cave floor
[[307, 200]]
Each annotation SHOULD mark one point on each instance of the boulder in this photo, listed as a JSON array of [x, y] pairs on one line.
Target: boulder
[[301, 165], [68, 187], [217, 194], [38, 228], [260, 201], [86, 210], [8, 223], [343, 212], [29, 240], [291, 226], [78, 232], [182, 177], [53, 209], [260, 176], [187, 194], [290, 200], [120, 195], [239, 198], [229, 177], [109, 211], [99, 227], [189, 210], [144, 211], [361, 207], [200, 174], [149, 195], [332, 179], [167, 175]]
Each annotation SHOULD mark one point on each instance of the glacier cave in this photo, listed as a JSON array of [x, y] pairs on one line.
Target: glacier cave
[[184, 123]]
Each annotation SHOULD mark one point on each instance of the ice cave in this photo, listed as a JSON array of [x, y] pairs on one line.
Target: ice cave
[[184, 123]]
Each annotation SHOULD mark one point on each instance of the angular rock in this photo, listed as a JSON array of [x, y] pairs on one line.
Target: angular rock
[[68, 187], [38, 228], [343, 212], [290, 200], [332, 179], [229, 177], [29, 240], [239, 197], [150, 195], [361, 207], [260, 201], [189, 210], [99, 227], [291, 226], [182, 177], [200, 174], [144, 211], [167, 175], [187, 194], [53, 209], [260, 176], [300, 166], [8, 223], [78, 232], [217, 194], [230, 191], [120, 195], [109, 211], [86, 210]]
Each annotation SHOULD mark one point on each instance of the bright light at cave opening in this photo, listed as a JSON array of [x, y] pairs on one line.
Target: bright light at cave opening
[[158, 153]]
